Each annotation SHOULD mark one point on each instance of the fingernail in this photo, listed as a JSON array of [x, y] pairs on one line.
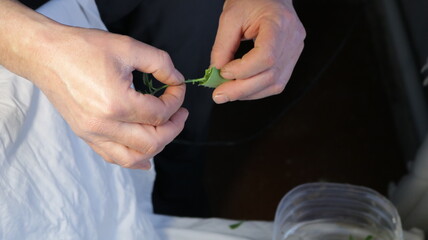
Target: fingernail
[[227, 75], [219, 99], [213, 65]]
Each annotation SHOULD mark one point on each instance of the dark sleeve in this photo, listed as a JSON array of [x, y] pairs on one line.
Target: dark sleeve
[[113, 10], [33, 3]]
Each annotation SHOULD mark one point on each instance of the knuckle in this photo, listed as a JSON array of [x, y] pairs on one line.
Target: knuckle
[[108, 107], [125, 39], [270, 58], [130, 163], [133, 160], [92, 125], [109, 159], [301, 47], [290, 19], [229, 18], [160, 118], [112, 110], [225, 17], [280, 17], [154, 147], [300, 32], [89, 126], [278, 88], [217, 48], [271, 77], [288, 16], [238, 94], [164, 58]]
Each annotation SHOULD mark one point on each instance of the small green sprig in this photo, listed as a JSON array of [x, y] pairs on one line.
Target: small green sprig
[[236, 225], [211, 79]]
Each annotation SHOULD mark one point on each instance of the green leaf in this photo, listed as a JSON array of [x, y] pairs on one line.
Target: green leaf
[[149, 84], [236, 225], [212, 78]]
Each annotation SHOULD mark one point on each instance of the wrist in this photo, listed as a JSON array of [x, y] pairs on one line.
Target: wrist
[[24, 37]]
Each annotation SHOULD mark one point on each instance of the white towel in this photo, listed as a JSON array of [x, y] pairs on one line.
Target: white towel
[[52, 185]]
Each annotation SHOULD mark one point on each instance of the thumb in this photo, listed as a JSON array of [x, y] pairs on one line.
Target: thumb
[[145, 108], [226, 42], [149, 59]]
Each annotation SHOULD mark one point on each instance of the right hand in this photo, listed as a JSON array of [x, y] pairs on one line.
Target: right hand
[[87, 75]]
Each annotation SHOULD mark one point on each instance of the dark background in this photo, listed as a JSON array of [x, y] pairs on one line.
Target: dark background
[[341, 130]]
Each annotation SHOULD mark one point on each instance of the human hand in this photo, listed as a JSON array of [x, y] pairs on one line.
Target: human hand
[[278, 42], [87, 75]]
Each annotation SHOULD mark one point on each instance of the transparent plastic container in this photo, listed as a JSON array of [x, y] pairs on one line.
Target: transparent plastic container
[[334, 211]]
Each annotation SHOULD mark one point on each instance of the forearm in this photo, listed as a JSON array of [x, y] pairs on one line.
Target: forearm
[[24, 36]]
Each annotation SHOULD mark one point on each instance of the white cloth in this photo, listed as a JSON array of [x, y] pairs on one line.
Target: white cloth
[[52, 185], [180, 228]]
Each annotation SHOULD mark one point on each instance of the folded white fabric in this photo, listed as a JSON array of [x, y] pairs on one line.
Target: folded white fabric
[[52, 185], [183, 228]]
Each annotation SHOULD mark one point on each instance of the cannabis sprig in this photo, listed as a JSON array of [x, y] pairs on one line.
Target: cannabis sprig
[[211, 79], [236, 225], [149, 84]]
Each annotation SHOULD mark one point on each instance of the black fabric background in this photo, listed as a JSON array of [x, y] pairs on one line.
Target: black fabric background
[[33, 3]]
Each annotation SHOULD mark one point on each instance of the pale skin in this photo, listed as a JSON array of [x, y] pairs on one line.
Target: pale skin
[[87, 74], [278, 38]]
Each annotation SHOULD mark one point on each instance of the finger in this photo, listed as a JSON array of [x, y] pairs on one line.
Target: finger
[[271, 90], [280, 83], [148, 109], [126, 157], [118, 154], [146, 139], [160, 136], [242, 88], [155, 61], [172, 98], [173, 127], [139, 137], [267, 49], [227, 40], [101, 152]]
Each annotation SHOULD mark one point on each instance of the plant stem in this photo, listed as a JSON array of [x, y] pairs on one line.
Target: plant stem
[[193, 81]]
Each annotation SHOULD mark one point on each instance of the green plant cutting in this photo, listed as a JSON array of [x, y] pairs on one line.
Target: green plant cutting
[[211, 79], [236, 225]]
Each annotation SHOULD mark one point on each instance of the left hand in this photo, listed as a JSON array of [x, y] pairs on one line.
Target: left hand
[[278, 38]]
